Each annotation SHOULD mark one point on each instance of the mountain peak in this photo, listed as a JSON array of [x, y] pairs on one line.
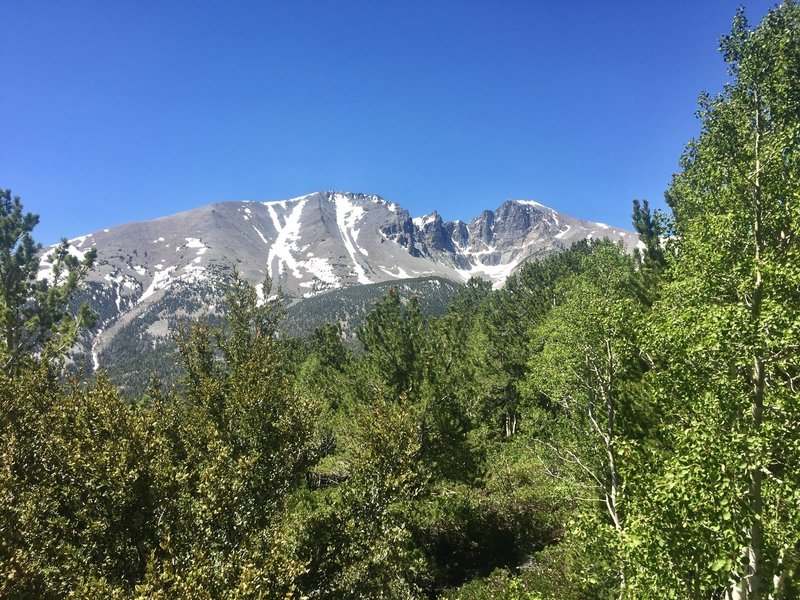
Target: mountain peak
[[425, 220], [340, 195], [533, 203]]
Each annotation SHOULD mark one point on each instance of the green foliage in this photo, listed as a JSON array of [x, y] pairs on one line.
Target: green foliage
[[513, 511], [75, 484], [34, 320], [585, 369], [652, 229], [236, 380], [392, 337], [655, 232], [500, 340], [605, 426], [167, 498], [359, 543], [721, 508]]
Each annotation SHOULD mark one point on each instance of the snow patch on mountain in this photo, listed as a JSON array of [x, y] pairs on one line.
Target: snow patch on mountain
[[347, 215], [421, 222], [95, 350], [194, 243], [322, 269], [73, 251], [401, 273], [496, 273], [261, 235], [161, 280], [532, 203], [80, 240], [280, 253], [194, 272], [46, 264]]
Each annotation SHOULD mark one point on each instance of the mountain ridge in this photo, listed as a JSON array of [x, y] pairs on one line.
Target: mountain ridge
[[175, 265]]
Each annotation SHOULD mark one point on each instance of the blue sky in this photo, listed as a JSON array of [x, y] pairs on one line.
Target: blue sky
[[123, 111]]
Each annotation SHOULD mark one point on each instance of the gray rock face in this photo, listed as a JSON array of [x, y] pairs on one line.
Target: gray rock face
[[495, 243], [153, 272]]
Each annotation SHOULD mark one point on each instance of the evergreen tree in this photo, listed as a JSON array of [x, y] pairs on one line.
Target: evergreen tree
[[392, 336], [654, 231], [651, 229], [34, 315], [500, 340]]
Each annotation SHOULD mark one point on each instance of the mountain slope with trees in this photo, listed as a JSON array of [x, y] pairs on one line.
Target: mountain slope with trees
[[150, 275]]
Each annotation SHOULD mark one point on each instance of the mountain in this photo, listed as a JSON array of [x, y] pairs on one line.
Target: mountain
[[149, 274]]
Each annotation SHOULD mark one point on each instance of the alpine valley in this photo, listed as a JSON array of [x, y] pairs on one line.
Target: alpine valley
[[331, 255]]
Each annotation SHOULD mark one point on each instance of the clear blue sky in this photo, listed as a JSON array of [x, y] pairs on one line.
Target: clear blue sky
[[117, 111]]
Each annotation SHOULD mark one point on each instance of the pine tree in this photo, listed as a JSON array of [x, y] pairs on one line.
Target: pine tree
[[392, 336], [34, 315], [651, 229]]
